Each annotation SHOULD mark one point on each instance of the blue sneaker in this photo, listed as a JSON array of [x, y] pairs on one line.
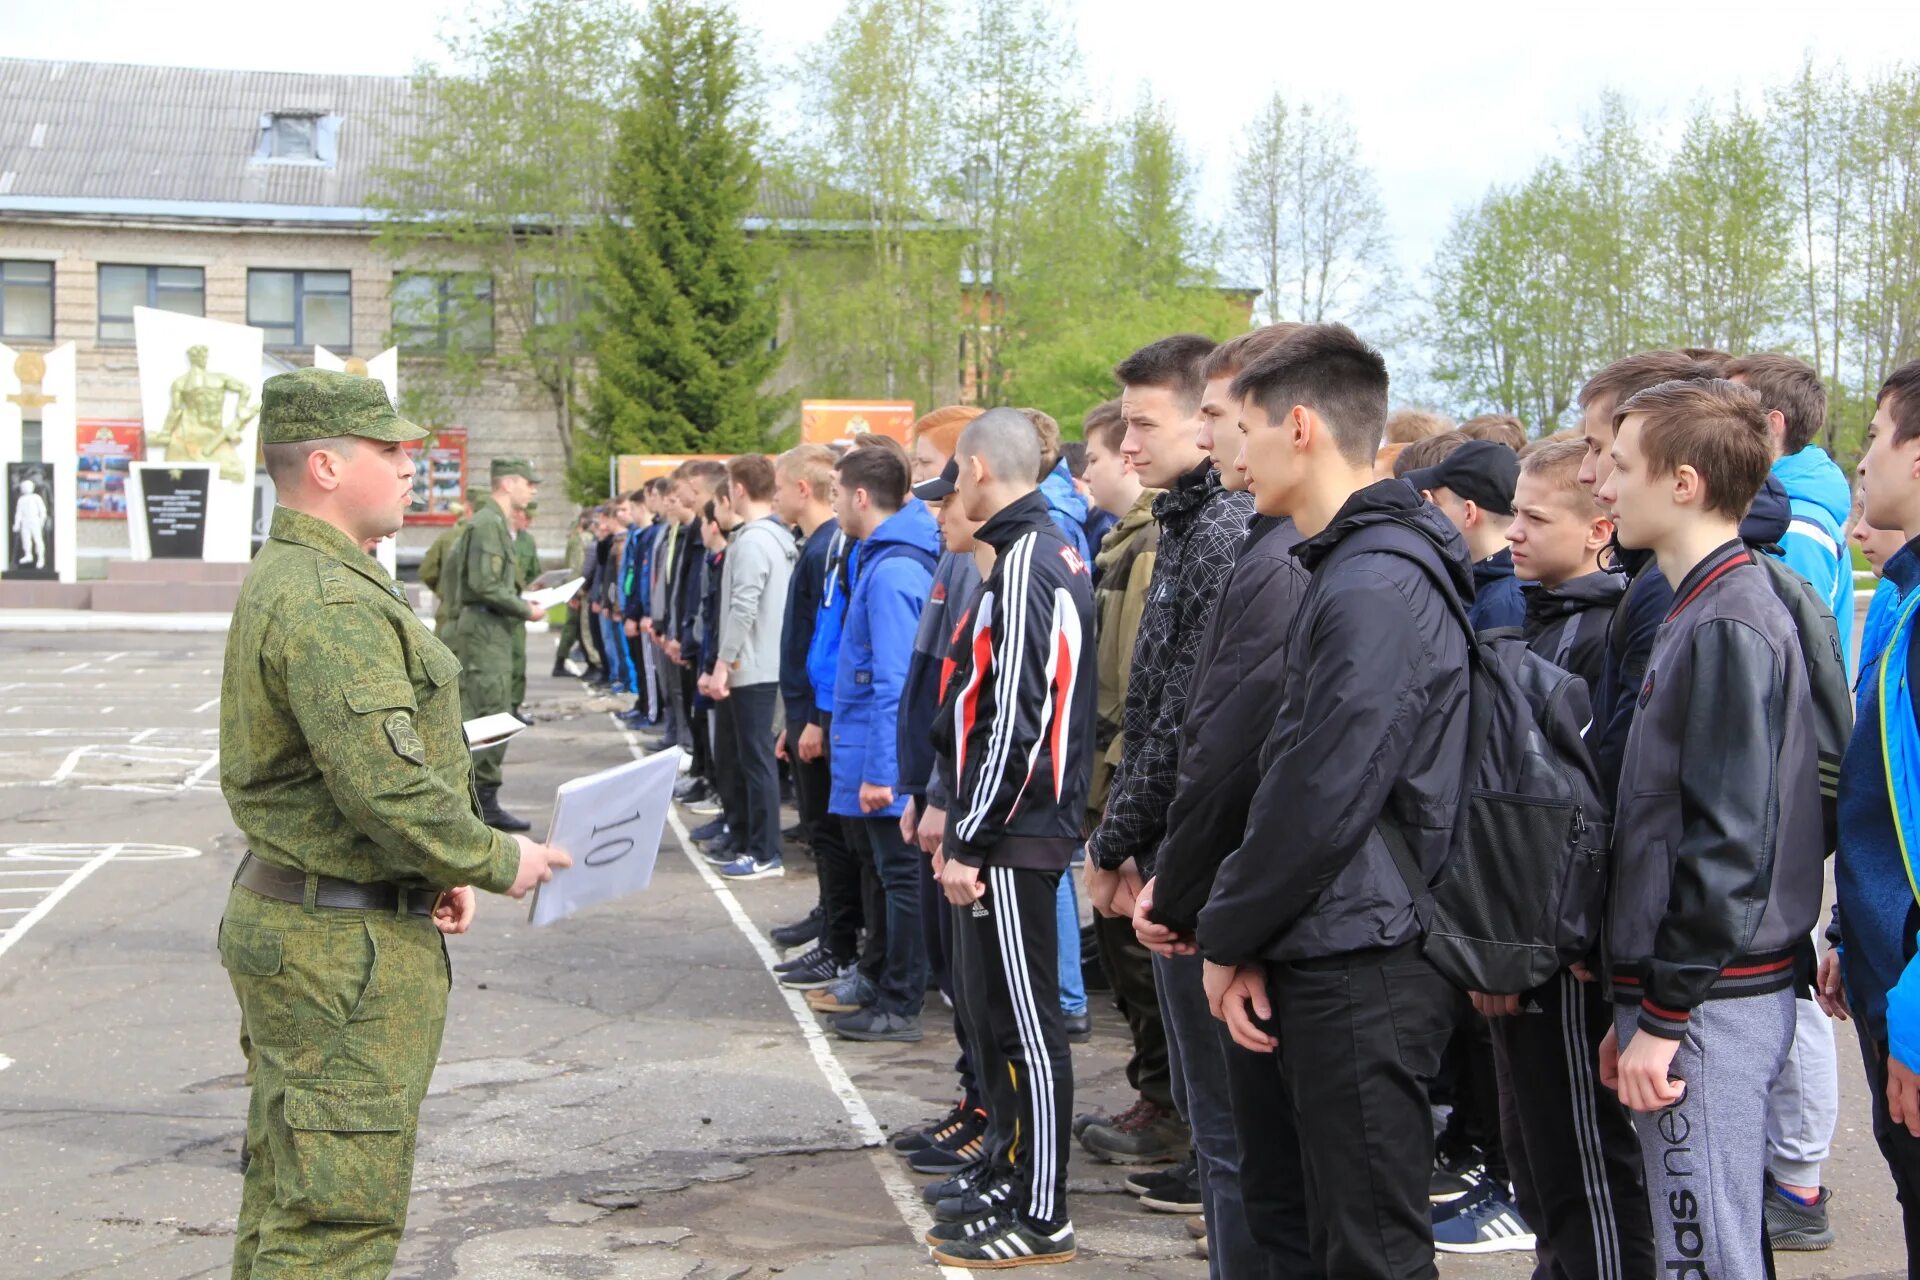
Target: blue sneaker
[[1490, 1224], [746, 867], [708, 830]]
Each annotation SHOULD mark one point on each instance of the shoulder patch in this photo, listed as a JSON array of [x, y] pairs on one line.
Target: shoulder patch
[[406, 740], [336, 586]]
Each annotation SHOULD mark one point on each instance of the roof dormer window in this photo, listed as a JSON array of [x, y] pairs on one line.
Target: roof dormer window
[[297, 137]]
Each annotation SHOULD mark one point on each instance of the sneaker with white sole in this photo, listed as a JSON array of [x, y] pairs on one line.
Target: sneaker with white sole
[[1490, 1224], [747, 867], [1016, 1245], [817, 972]]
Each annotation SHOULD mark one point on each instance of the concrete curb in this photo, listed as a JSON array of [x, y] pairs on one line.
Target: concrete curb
[[69, 620]]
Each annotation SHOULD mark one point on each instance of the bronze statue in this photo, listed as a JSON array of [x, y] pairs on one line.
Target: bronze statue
[[197, 428]]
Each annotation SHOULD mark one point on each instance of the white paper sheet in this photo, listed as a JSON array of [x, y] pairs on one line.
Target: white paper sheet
[[491, 731], [610, 822], [548, 597]]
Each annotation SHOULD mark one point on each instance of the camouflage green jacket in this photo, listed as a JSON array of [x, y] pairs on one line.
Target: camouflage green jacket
[[341, 750], [526, 554], [489, 568]]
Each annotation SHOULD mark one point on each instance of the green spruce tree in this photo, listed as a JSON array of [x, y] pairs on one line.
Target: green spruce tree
[[687, 309]]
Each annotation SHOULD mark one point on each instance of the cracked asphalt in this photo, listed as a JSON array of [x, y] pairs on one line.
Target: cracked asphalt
[[623, 1095]]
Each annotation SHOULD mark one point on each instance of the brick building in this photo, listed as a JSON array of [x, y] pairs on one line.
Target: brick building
[[239, 195]]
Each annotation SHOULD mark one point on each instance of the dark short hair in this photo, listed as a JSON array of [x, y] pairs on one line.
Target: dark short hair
[[1236, 353], [1789, 387], [1105, 424], [660, 485], [1901, 395], [1327, 368], [1428, 451], [638, 495], [1501, 428], [883, 473], [1717, 427], [754, 473], [1630, 375], [1174, 363], [1075, 452]]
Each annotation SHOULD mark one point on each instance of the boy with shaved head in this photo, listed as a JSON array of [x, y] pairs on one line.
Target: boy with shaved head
[[1015, 742]]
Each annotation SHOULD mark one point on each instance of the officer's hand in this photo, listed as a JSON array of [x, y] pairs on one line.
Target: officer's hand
[[453, 911], [537, 865]]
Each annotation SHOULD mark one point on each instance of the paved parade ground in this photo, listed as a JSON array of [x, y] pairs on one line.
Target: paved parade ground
[[627, 1094]]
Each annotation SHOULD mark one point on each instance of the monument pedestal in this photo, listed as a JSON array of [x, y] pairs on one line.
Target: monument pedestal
[[169, 586]]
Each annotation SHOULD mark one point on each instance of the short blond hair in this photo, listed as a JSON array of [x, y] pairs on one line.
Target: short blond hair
[[1557, 463], [812, 463], [1404, 426]]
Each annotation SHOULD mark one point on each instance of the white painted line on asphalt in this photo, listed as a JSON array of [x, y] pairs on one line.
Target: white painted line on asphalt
[[19, 928], [142, 736], [104, 710], [78, 666], [905, 1196], [5, 1062], [208, 705]]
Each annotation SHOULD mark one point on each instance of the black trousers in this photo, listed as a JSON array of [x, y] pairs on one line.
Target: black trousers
[[949, 925], [728, 779], [748, 711], [1570, 1144], [841, 910], [699, 748], [1470, 1082], [1900, 1149], [1129, 970], [1272, 1185], [1361, 1036], [1007, 982]]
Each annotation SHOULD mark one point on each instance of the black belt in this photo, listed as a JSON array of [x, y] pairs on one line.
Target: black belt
[[288, 885]]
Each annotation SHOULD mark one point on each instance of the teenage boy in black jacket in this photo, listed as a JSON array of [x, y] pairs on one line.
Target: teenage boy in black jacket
[[1310, 937], [1250, 1192], [1570, 1145], [1015, 741], [1718, 835]]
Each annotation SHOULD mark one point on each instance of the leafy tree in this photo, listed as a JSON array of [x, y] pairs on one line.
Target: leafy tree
[[498, 178], [686, 309], [1307, 216]]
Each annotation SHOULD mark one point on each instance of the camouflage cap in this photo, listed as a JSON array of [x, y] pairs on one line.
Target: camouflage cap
[[533, 505], [478, 497], [513, 467], [313, 404]]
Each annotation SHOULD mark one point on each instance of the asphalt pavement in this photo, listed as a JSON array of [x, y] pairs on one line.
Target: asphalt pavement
[[626, 1094]]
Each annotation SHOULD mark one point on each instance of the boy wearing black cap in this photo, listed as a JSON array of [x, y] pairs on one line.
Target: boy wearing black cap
[[1474, 486]]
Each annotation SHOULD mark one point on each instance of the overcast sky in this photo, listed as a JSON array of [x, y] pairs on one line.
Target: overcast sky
[[1446, 98]]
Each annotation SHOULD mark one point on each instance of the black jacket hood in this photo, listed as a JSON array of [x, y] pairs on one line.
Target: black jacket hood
[[1394, 502], [1600, 590]]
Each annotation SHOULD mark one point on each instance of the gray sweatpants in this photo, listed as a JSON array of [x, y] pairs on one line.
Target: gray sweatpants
[[1805, 1104], [1705, 1156]]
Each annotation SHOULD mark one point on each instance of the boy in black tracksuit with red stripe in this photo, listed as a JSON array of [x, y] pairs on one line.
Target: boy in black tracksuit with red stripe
[[1014, 744]]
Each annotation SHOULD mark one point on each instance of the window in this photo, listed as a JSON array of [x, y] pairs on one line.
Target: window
[[297, 137], [442, 312], [302, 308], [293, 138], [122, 288], [26, 300]]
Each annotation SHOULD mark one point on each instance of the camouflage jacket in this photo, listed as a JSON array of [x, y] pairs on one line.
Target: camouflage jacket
[[341, 750], [434, 560], [526, 555], [489, 569]]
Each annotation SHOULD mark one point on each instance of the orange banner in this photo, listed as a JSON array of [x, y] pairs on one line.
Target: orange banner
[[827, 421]]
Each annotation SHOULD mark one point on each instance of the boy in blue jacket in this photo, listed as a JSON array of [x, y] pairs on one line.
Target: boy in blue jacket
[[1879, 807], [891, 576]]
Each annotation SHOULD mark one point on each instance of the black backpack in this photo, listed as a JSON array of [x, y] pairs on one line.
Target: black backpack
[[1524, 886]]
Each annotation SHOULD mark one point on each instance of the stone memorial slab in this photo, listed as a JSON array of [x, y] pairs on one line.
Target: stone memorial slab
[[172, 504], [31, 546], [200, 398]]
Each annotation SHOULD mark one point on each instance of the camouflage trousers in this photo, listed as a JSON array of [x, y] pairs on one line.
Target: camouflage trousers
[[486, 644], [519, 668], [341, 1014]]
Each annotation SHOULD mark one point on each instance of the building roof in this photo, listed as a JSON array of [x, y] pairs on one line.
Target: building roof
[[139, 142], [101, 131]]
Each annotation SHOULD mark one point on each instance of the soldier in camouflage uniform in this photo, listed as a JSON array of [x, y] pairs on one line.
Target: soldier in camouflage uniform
[[489, 622], [343, 763], [433, 563], [526, 558]]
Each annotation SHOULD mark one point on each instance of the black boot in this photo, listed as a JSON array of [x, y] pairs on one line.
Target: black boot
[[560, 665], [494, 816]]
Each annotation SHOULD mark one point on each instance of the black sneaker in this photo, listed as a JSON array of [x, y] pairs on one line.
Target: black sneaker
[[1017, 1245], [821, 970], [1456, 1176], [1078, 1026], [875, 1023], [1159, 1181], [1177, 1194], [708, 830], [922, 1138], [958, 1185], [689, 789], [1795, 1225], [967, 1229], [799, 932], [805, 957], [960, 1147], [983, 1198]]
